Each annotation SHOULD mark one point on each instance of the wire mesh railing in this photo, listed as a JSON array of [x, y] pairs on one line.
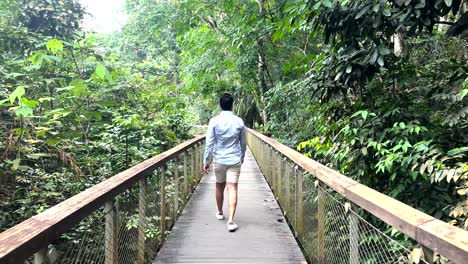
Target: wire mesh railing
[[125, 223], [322, 208]]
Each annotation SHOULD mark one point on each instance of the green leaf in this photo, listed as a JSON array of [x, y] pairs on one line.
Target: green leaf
[[327, 3], [79, 87], [24, 111], [457, 151], [29, 103], [448, 2], [376, 8], [386, 12], [380, 61], [374, 56], [54, 45], [16, 164], [101, 71], [17, 93], [384, 51], [278, 35], [363, 11], [2, 102], [364, 114]]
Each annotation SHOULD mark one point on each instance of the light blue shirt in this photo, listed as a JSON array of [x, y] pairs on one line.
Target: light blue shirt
[[225, 139]]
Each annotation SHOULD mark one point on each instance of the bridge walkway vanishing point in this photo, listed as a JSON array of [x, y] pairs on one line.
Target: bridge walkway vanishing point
[[128, 217], [263, 235]]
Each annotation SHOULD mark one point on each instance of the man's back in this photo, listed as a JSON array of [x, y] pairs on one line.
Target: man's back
[[226, 134]]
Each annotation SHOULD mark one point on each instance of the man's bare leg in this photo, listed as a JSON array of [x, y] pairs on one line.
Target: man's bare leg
[[232, 198], [220, 195]]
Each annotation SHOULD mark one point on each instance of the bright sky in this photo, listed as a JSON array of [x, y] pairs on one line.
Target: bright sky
[[106, 16]]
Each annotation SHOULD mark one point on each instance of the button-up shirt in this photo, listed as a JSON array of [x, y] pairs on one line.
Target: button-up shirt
[[225, 139]]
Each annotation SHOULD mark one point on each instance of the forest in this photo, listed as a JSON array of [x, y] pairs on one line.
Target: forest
[[375, 89]]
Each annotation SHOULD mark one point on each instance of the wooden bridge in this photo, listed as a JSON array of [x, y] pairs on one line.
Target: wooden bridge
[[291, 210]]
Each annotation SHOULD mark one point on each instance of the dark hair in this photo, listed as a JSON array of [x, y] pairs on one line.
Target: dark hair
[[225, 101]]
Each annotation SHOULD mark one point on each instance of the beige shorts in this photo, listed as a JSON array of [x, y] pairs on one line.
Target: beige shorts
[[227, 173]]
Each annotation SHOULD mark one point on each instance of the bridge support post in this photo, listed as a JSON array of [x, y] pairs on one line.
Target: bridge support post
[[192, 164], [353, 235], [299, 197], [142, 221], [273, 172], [176, 188], [321, 222], [185, 177], [197, 156], [41, 256], [279, 182], [162, 227], [200, 161], [287, 175], [110, 242]]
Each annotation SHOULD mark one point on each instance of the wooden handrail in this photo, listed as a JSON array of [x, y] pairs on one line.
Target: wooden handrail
[[26, 238], [450, 241]]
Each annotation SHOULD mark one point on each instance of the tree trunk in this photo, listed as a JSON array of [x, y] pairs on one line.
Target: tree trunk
[[261, 66]]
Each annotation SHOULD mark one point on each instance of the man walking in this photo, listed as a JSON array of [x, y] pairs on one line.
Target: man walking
[[226, 143]]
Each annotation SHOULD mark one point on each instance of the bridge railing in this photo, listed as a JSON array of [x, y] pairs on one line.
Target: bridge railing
[[335, 218], [121, 220]]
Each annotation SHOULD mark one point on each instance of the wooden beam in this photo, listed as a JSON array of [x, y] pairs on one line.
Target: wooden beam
[[22, 240]]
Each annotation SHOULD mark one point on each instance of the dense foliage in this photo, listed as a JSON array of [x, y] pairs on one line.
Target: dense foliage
[[74, 108]]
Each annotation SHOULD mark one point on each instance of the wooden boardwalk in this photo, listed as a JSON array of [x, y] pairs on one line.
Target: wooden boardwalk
[[263, 235]]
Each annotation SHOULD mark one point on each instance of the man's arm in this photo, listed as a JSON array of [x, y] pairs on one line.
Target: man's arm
[[243, 143], [210, 140]]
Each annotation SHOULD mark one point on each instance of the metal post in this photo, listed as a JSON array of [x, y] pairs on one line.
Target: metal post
[[41, 256], [163, 203], [110, 243], [299, 194], [142, 221], [176, 188], [353, 234], [321, 222]]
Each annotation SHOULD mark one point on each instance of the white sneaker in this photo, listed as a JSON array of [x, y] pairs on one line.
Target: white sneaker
[[232, 226], [219, 216]]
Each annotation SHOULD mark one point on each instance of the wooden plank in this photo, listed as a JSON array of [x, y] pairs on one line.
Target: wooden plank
[[444, 239], [299, 203], [176, 188], [353, 235], [441, 237], [111, 234], [22, 240], [321, 223], [186, 191], [263, 235]]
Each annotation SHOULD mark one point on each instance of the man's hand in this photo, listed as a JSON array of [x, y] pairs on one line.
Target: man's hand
[[206, 167]]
